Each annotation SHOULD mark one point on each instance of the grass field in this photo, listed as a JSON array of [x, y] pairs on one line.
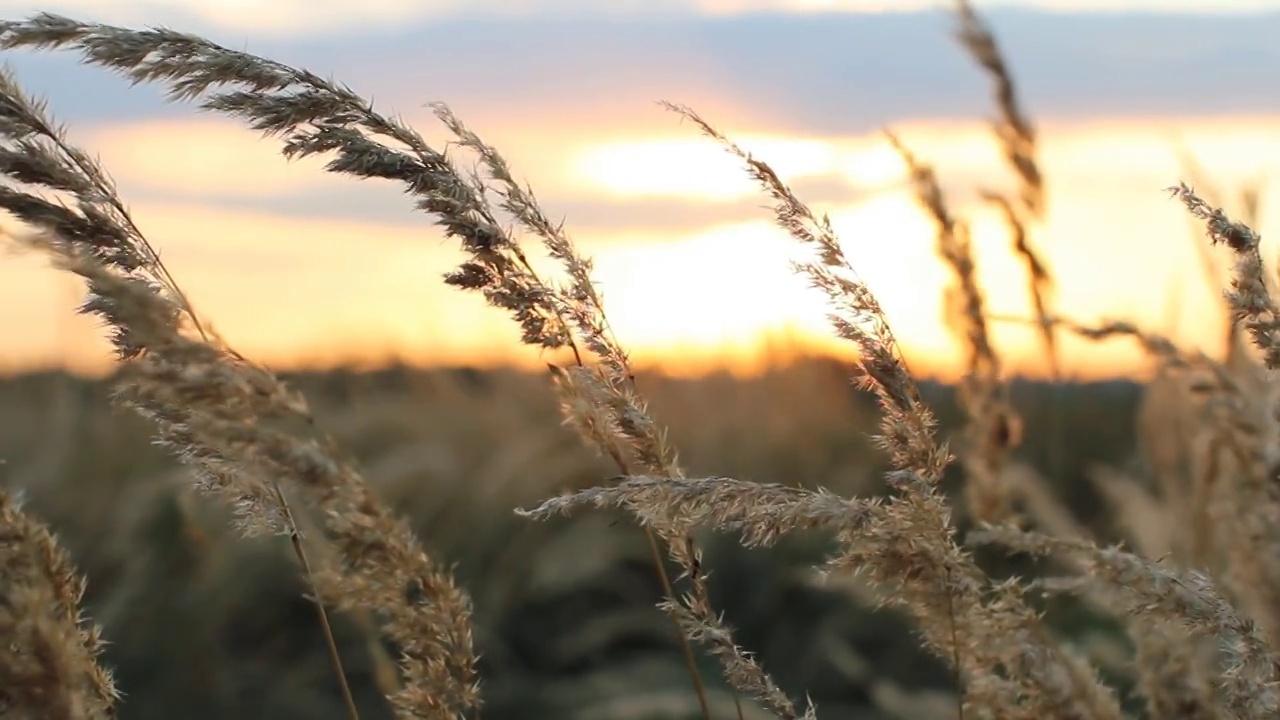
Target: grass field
[[204, 624], [465, 544]]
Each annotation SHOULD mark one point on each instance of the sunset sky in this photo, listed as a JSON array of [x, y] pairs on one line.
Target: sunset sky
[[293, 265]]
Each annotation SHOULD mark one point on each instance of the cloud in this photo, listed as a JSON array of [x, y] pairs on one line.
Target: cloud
[[833, 74], [331, 18], [279, 18], [206, 157], [660, 183]]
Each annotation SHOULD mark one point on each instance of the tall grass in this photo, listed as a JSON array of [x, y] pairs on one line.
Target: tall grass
[[254, 443]]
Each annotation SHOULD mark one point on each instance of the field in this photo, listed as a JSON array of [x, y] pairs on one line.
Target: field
[[204, 624], [598, 541]]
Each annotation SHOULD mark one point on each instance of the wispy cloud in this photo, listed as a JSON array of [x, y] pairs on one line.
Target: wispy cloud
[[831, 74], [300, 18], [289, 261]]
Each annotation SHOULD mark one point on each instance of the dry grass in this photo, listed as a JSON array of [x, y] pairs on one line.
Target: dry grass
[[49, 668], [254, 443]]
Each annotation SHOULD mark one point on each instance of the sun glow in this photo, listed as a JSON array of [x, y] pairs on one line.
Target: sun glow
[[696, 168], [685, 293]]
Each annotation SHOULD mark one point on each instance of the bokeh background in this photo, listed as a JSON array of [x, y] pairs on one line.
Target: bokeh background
[[337, 283]]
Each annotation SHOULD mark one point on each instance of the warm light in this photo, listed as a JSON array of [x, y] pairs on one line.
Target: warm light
[[722, 291], [872, 166], [684, 293], [203, 157], [734, 7], [696, 168]]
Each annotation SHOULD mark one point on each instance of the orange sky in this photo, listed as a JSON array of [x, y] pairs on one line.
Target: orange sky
[[693, 273], [282, 288]]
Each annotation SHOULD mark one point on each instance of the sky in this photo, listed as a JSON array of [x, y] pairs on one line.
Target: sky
[[296, 266]]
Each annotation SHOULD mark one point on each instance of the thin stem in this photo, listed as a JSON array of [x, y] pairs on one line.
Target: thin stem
[[955, 649], [695, 674], [689, 657], [295, 539]]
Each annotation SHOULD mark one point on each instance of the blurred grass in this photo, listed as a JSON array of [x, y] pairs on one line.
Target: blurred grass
[[206, 625]]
